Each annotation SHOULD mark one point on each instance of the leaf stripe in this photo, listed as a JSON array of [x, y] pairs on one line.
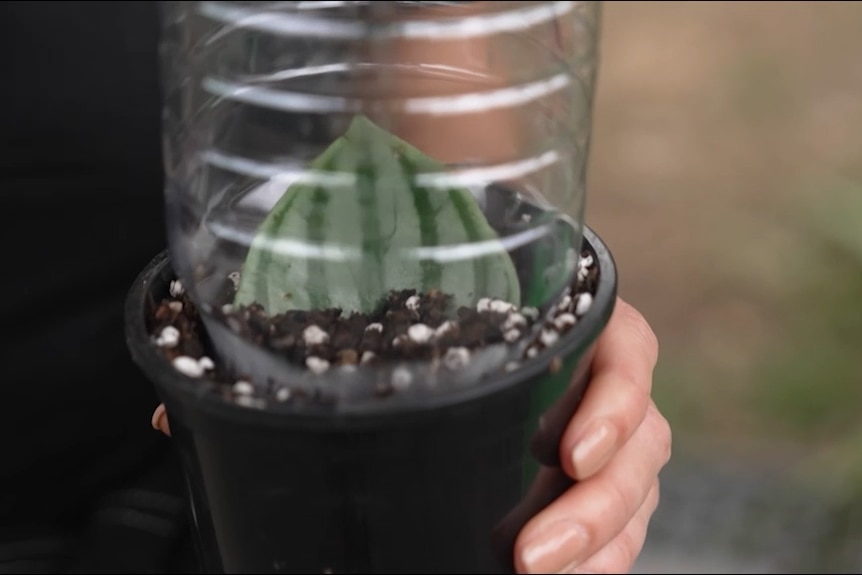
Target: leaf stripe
[[370, 233], [264, 254], [316, 280], [473, 235], [431, 270]]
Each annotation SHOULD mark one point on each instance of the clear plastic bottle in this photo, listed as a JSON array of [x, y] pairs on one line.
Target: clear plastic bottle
[[491, 98]]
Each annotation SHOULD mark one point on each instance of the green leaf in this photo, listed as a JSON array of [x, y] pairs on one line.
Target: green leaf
[[370, 226]]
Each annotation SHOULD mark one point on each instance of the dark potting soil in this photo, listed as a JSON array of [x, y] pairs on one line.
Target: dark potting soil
[[407, 327]]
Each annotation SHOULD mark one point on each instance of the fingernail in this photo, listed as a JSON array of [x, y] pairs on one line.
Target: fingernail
[[554, 547], [594, 448]]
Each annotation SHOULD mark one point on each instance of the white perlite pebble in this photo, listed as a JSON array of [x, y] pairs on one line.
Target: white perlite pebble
[[582, 274], [549, 337], [564, 321], [206, 363], [249, 401], [401, 378], [585, 300], [234, 277], [456, 357], [412, 303], [374, 327], [282, 394], [243, 388], [532, 352], [227, 309], [420, 333], [188, 366], [176, 288], [367, 357], [511, 335], [169, 337], [500, 306], [445, 328], [513, 321], [313, 335], [176, 306], [586, 262], [484, 304], [316, 365], [530, 312], [565, 303]]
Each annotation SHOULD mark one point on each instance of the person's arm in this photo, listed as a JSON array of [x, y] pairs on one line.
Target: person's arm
[[86, 487]]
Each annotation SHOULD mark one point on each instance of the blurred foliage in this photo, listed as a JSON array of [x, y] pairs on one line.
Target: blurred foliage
[[726, 175], [811, 383]]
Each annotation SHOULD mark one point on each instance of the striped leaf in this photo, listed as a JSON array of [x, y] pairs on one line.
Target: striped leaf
[[359, 230]]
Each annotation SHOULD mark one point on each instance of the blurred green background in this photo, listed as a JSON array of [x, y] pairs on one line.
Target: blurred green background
[[726, 176]]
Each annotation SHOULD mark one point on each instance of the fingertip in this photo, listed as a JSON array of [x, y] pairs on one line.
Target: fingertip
[[548, 543], [627, 342], [520, 567], [157, 414], [611, 412], [587, 452], [637, 322], [159, 420], [520, 547], [531, 533]]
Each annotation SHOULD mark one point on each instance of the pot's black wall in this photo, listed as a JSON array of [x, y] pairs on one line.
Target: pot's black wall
[[443, 490], [403, 498]]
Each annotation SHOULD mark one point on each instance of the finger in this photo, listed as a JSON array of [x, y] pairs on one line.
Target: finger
[[627, 333], [587, 516], [160, 420], [616, 399], [620, 554]]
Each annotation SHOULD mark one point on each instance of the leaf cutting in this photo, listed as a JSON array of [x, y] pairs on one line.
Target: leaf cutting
[[367, 222]]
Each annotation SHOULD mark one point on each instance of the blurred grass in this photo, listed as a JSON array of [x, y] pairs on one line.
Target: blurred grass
[[808, 384]]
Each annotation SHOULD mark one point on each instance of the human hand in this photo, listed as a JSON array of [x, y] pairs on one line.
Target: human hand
[[614, 447]]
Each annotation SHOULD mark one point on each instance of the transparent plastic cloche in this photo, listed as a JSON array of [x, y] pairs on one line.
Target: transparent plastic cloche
[[369, 191]]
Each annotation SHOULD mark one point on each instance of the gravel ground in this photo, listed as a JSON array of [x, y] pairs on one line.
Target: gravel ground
[[669, 561], [722, 521]]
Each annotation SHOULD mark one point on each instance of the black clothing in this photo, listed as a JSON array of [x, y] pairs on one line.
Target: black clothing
[[86, 485]]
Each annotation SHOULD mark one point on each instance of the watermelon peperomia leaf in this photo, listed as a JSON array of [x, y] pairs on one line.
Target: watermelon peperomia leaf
[[380, 213]]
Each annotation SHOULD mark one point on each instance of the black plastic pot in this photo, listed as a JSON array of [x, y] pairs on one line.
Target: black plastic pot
[[441, 488]]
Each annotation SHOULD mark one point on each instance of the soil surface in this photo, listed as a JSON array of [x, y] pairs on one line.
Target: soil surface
[[408, 327]]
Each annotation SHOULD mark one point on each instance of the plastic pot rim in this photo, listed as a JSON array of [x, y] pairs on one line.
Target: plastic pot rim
[[171, 384]]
